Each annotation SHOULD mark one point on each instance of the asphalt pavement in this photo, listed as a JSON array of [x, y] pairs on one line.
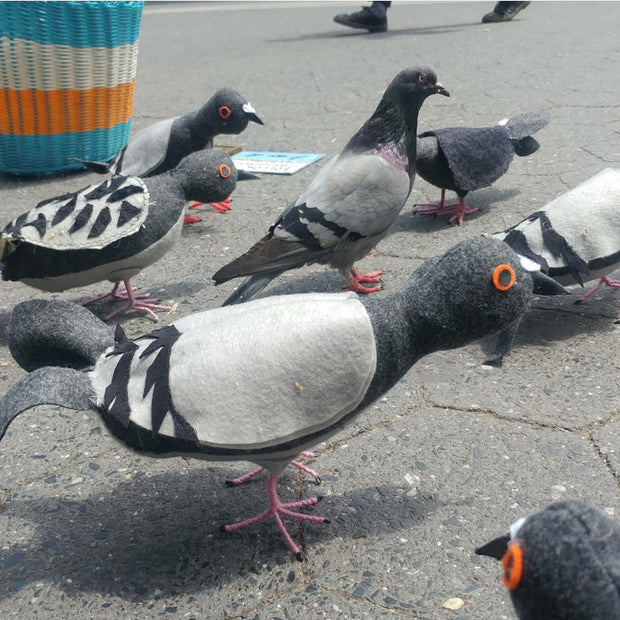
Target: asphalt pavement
[[453, 454]]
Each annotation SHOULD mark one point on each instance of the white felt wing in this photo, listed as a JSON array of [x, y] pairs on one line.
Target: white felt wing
[[91, 218], [232, 385], [357, 194], [146, 150]]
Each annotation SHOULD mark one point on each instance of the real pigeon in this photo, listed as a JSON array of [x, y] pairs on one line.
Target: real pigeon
[[462, 159], [575, 238], [284, 372], [160, 147], [353, 200], [562, 563], [111, 231]]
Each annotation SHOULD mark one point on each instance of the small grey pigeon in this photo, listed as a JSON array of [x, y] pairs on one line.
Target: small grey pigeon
[[285, 372], [112, 230], [575, 238], [462, 159], [562, 563], [353, 200], [160, 147]]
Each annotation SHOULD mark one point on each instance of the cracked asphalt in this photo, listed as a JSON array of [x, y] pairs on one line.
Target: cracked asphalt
[[452, 455]]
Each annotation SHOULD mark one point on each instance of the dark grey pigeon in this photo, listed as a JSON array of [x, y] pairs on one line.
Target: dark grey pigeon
[[562, 563], [575, 238], [160, 147], [274, 387], [353, 200], [462, 159], [111, 231]]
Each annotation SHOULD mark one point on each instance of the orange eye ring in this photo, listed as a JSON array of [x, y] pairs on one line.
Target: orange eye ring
[[224, 112], [512, 566], [504, 277], [224, 171], [422, 78]]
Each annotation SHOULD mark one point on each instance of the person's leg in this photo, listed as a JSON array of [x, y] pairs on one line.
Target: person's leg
[[372, 18], [504, 12]]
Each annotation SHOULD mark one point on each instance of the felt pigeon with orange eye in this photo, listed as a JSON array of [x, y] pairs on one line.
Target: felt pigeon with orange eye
[[160, 147], [562, 563], [112, 230], [286, 372]]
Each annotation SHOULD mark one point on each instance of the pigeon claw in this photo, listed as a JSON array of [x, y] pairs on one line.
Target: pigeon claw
[[222, 206], [191, 220]]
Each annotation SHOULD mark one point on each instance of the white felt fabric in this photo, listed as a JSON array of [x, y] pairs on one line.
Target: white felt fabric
[[260, 373], [588, 217], [59, 237], [147, 149]]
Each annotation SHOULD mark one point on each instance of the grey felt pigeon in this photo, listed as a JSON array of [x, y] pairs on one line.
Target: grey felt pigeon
[[111, 231], [562, 563], [285, 372], [160, 147], [462, 159], [353, 200], [575, 238]]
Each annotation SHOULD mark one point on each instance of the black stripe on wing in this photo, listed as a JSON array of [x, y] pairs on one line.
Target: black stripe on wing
[[158, 380]]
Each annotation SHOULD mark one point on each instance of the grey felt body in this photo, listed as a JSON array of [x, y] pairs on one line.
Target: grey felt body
[[571, 565], [576, 236], [216, 385], [69, 259]]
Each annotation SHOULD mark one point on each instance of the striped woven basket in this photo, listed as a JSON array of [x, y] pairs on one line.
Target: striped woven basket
[[67, 74]]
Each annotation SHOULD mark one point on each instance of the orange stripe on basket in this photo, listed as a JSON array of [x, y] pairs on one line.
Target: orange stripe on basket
[[38, 112]]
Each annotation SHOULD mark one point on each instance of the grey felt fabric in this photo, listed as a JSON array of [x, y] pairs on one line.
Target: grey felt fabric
[[524, 125], [576, 236], [571, 565], [147, 149], [56, 333], [252, 376], [56, 386], [477, 157]]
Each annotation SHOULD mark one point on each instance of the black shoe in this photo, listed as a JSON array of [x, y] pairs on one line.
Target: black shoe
[[504, 12], [364, 19]]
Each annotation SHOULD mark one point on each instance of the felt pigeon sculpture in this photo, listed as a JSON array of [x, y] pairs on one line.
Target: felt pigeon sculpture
[[160, 147], [562, 563], [462, 159], [575, 238], [113, 230], [285, 372], [353, 200]]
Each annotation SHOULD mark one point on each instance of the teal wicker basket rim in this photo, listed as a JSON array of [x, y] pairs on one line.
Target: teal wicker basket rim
[[74, 23]]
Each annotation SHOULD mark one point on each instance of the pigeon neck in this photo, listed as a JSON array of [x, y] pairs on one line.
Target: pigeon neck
[[168, 194], [201, 126], [391, 132]]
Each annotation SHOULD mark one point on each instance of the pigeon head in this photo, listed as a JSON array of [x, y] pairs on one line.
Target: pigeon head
[[412, 86], [229, 112], [475, 289], [562, 563], [208, 175]]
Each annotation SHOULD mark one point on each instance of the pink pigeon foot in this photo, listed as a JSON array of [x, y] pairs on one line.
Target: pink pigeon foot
[[277, 508], [604, 280], [356, 279], [457, 210], [135, 303], [252, 474], [115, 293]]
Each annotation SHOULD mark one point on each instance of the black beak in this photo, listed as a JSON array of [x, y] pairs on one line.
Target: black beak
[[544, 285], [496, 548], [251, 116], [441, 90], [242, 175]]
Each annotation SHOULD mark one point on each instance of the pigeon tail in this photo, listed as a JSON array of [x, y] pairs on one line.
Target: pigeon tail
[[250, 287], [65, 387], [523, 125], [98, 167], [46, 332], [524, 147]]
